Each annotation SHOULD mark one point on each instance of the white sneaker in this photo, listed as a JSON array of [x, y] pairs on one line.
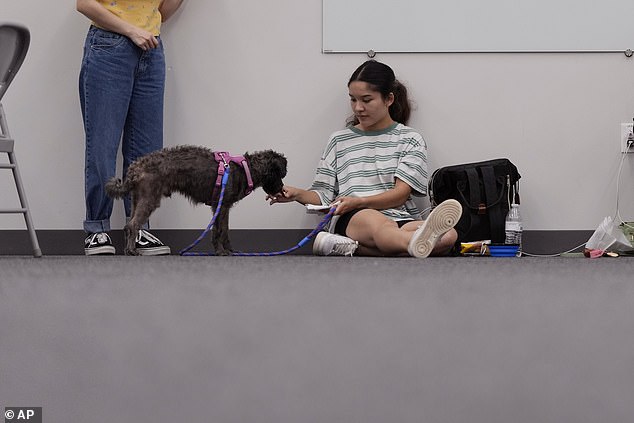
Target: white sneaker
[[327, 244], [441, 219]]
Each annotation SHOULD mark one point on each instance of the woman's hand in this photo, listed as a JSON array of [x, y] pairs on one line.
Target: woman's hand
[[145, 40], [288, 194], [348, 204]]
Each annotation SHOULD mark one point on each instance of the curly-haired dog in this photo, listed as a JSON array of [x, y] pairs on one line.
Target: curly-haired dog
[[192, 171]]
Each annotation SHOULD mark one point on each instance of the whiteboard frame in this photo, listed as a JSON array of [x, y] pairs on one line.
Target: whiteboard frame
[[382, 26]]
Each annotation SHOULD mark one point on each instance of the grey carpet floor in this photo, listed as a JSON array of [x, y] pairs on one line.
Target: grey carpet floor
[[315, 339]]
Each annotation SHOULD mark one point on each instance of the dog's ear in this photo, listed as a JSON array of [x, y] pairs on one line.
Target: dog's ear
[[280, 163]]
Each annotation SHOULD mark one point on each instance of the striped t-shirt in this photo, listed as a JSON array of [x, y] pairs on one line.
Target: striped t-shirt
[[356, 163], [143, 14]]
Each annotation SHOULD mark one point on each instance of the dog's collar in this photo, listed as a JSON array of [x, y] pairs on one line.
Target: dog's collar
[[224, 159]]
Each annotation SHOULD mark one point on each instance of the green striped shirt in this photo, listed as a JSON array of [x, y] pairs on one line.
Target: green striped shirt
[[356, 163]]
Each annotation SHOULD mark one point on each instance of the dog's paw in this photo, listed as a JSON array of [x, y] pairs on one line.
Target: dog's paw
[[224, 252]]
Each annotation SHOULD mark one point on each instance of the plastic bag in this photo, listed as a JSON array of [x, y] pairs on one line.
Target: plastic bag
[[608, 237]]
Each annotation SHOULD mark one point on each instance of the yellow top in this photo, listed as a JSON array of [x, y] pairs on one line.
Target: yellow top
[[140, 13]]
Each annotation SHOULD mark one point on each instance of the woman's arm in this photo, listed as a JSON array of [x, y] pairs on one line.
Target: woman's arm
[[290, 194], [168, 7], [394, 197], [111, 22]]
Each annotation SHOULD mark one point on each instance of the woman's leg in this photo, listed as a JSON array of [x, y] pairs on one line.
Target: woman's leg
[[105, 85], [444, 244], [143, 131], [436, 235], [377, 234], [380, 236]]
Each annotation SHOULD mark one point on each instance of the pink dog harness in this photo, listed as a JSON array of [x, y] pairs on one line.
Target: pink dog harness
[[226, 158]]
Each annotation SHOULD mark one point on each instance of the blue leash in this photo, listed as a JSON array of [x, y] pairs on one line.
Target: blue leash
[[185, 251]]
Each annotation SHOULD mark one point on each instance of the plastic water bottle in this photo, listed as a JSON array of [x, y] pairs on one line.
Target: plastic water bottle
[[513, 227]]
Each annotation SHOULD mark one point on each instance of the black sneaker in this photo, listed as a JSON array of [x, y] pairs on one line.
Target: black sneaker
[[149, 245], [98, 243]]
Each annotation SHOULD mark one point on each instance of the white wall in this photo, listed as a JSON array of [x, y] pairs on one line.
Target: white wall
[[249, 75]]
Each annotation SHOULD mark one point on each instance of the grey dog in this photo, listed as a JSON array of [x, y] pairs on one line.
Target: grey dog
[[192, 171]]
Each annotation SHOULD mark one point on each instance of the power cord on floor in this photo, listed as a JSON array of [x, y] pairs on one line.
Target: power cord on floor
[[555, 254], [617, 215]]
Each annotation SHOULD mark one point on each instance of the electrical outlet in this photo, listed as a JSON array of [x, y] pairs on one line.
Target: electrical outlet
[[626, 130]]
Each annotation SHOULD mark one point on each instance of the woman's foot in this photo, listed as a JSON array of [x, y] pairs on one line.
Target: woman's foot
[[441, 219]]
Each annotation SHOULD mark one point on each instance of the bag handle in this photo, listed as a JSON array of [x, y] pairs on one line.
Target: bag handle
[[496, 219], [474, 190], [479, 205]]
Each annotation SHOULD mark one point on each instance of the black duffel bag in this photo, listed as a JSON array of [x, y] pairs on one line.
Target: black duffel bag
[[485, 191]]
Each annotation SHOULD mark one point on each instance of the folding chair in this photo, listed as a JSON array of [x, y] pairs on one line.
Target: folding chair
[[14, 43]]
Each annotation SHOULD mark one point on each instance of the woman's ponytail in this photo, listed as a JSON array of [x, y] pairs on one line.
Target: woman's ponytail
[[401, 107]]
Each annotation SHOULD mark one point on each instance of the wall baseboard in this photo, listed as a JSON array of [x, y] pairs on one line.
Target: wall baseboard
[[70, 241]]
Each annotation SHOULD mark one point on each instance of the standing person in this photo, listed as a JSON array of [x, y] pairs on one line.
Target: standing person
[[121, 87], [370, 170]]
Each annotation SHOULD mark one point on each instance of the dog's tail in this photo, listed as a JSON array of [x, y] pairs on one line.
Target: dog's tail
[[116, 188]]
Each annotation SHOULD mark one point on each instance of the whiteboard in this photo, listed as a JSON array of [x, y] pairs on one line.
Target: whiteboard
[[351, 26]]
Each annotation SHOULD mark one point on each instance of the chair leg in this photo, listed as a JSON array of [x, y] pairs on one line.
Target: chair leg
[[37, 252]]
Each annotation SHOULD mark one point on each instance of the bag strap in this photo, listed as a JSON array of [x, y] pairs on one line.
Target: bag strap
[[496, 219], [474, 190]]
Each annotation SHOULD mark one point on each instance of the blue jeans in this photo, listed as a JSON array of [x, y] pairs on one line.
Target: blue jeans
[[121, 90]]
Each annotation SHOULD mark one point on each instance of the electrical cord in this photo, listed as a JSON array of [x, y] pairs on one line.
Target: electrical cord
[[554, 255], [617, 215]]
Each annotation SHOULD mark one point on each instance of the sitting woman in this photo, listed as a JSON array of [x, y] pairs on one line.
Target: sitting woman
[[370, 170]]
